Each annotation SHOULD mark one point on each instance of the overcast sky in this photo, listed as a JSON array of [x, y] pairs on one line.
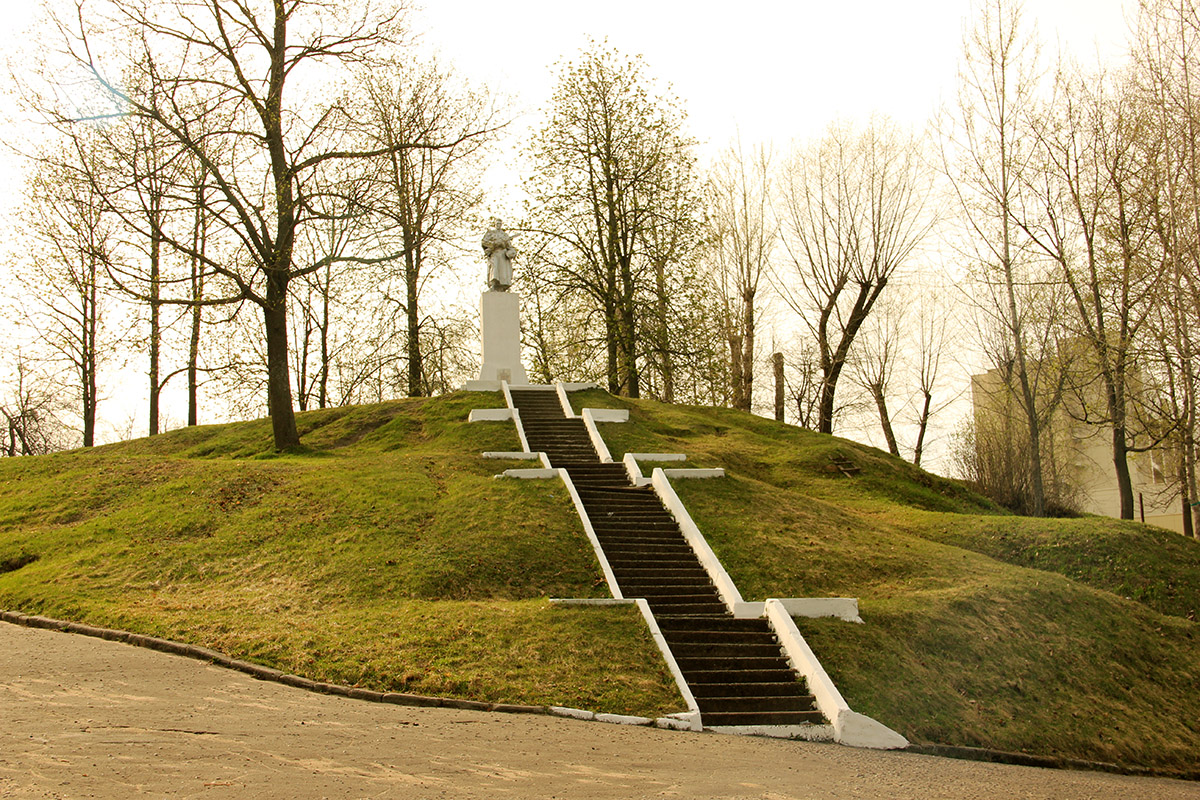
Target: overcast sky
[[771, 69], [764, 68]]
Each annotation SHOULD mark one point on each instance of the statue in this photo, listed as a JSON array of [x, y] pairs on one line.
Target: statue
[[498, 249]]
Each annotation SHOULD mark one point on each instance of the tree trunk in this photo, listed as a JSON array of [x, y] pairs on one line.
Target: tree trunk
[[1189, 529], [777, 363], [302, 359], [88, 360], [747, 336], [1121, 464], [922, 426], [735, 369], [193, 376], [199, 242], [885, 420], [629, 332], [323, 386], [155, 332], [279, 385], [610, 340], [413, 333], [665, 362]]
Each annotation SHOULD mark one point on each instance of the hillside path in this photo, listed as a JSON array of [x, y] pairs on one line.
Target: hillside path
[[83, 717]]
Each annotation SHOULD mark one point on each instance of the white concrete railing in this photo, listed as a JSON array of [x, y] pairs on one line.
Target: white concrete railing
[[850, 727], [591, 534], [516, 416], [680, 681], [564, 401], [589, 422], [708, 559]]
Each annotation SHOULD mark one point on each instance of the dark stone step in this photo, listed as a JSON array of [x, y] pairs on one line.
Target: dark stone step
[[792, 688], [631, 552], [699, 677], [645, 544], [606, 469], [699, 609], [634, 589], [719, 622], [641, 572], [648, 537], [722, 650], [598, 510], [732, 663], [696, 598], [686, 637], [804, 702], [618, 534], [625, 510], [636, 528], [659, 568], [732, 718], [677, 560]]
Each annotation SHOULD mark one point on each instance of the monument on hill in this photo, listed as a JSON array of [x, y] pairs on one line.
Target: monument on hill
[[500, 313]]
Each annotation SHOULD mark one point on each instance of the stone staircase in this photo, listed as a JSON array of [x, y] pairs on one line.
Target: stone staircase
[[735, 668]]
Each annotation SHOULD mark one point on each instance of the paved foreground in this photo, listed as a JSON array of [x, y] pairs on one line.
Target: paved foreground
[[82, 717]]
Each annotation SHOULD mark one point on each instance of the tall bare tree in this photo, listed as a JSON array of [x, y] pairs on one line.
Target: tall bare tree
[[31, 410], [984, 159], [743, 234], [608, 166], [65, 273], [1088, 214], [424, 196], [1167, 61], [852, 213]]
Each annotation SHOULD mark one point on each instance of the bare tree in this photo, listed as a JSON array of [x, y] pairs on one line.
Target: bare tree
[[877, 359], [65, 272], [608, 166], [852, 209], [1167, 58], [984, 159], [1089, 216], [32, 411], [743, 234], [424, 196], [931, 345]]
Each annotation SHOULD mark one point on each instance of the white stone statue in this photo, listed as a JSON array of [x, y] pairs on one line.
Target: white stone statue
[[498, 248]]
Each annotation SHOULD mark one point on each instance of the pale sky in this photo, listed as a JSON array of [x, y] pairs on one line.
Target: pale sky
[[773, 70], [768, 70]]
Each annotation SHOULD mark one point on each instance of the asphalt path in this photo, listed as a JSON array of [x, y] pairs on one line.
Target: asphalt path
[[86, 718]]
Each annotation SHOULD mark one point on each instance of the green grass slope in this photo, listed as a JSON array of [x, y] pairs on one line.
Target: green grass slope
[[1071, 638], [384, 555]]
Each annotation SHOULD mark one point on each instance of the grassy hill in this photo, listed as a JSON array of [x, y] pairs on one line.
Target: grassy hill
[[385, 555]]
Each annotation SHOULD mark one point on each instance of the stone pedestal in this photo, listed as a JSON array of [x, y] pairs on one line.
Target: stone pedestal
[[501, 322]]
